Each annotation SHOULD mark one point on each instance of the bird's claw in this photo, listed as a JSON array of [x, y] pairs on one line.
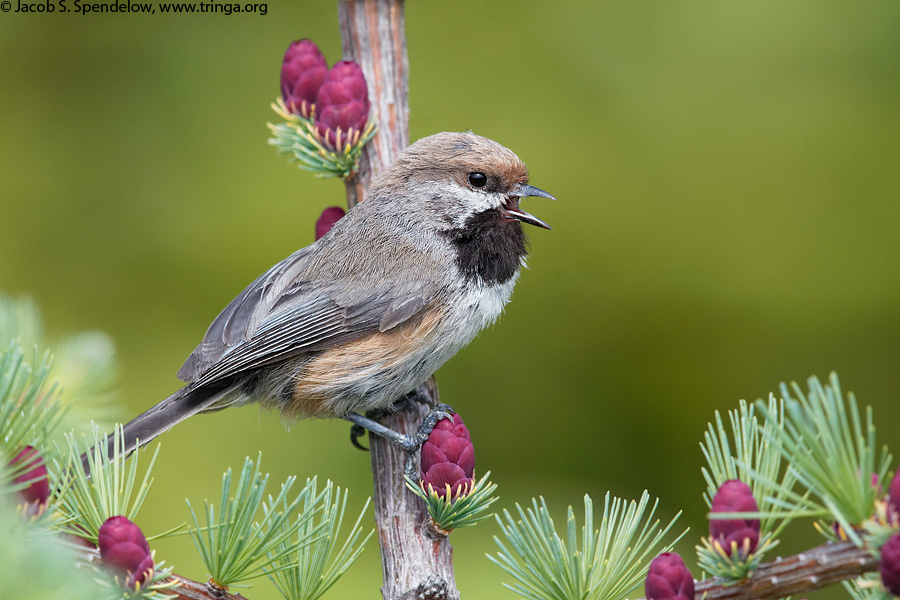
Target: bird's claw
[[356, 432], [440, 411], [412, 443]]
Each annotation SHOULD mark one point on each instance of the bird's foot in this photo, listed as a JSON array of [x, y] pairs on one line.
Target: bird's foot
[[408, 443], [438, 412]]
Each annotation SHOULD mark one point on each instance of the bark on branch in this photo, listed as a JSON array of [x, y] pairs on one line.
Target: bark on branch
[[796, 575], [373, 35], [416, 562]]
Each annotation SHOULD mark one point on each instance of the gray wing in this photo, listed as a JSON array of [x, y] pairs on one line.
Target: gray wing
[[283, 313]]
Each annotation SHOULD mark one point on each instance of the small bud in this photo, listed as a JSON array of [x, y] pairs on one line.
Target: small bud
[[734, 496], [37, 493], [125, 551], [302, 73], [342, 105], [448, 458], [327, 219], [669, 579], [889, 567]]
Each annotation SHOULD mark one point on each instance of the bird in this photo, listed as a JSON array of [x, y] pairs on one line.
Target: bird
[[356, 320]]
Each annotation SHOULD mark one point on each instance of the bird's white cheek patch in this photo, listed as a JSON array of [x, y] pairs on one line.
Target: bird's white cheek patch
[[475, 203]]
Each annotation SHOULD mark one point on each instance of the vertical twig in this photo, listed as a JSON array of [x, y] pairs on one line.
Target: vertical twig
[[373, 34], [416, 562]]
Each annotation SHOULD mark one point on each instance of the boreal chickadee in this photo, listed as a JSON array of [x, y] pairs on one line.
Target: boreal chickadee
[[361, 317]]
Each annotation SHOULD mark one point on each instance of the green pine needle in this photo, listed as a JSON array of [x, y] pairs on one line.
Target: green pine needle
[[611, 561], [753, 460], [464, 509], [111, 488], [867, 587], [29, 409], [298, 137], [235, 546], [832, 453], [309, 571], [732, 564], [83, 366], [34, 564], [740, 450], [155, 588]]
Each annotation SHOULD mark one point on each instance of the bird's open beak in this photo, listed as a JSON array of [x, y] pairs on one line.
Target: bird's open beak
[[511, 206]]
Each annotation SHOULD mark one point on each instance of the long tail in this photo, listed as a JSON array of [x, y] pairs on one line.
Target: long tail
[[184, 403]]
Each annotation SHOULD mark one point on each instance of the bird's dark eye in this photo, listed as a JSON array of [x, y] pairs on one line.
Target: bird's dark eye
[[477, 179]]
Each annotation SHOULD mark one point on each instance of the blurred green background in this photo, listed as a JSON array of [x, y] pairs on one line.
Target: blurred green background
[[728, 176]]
